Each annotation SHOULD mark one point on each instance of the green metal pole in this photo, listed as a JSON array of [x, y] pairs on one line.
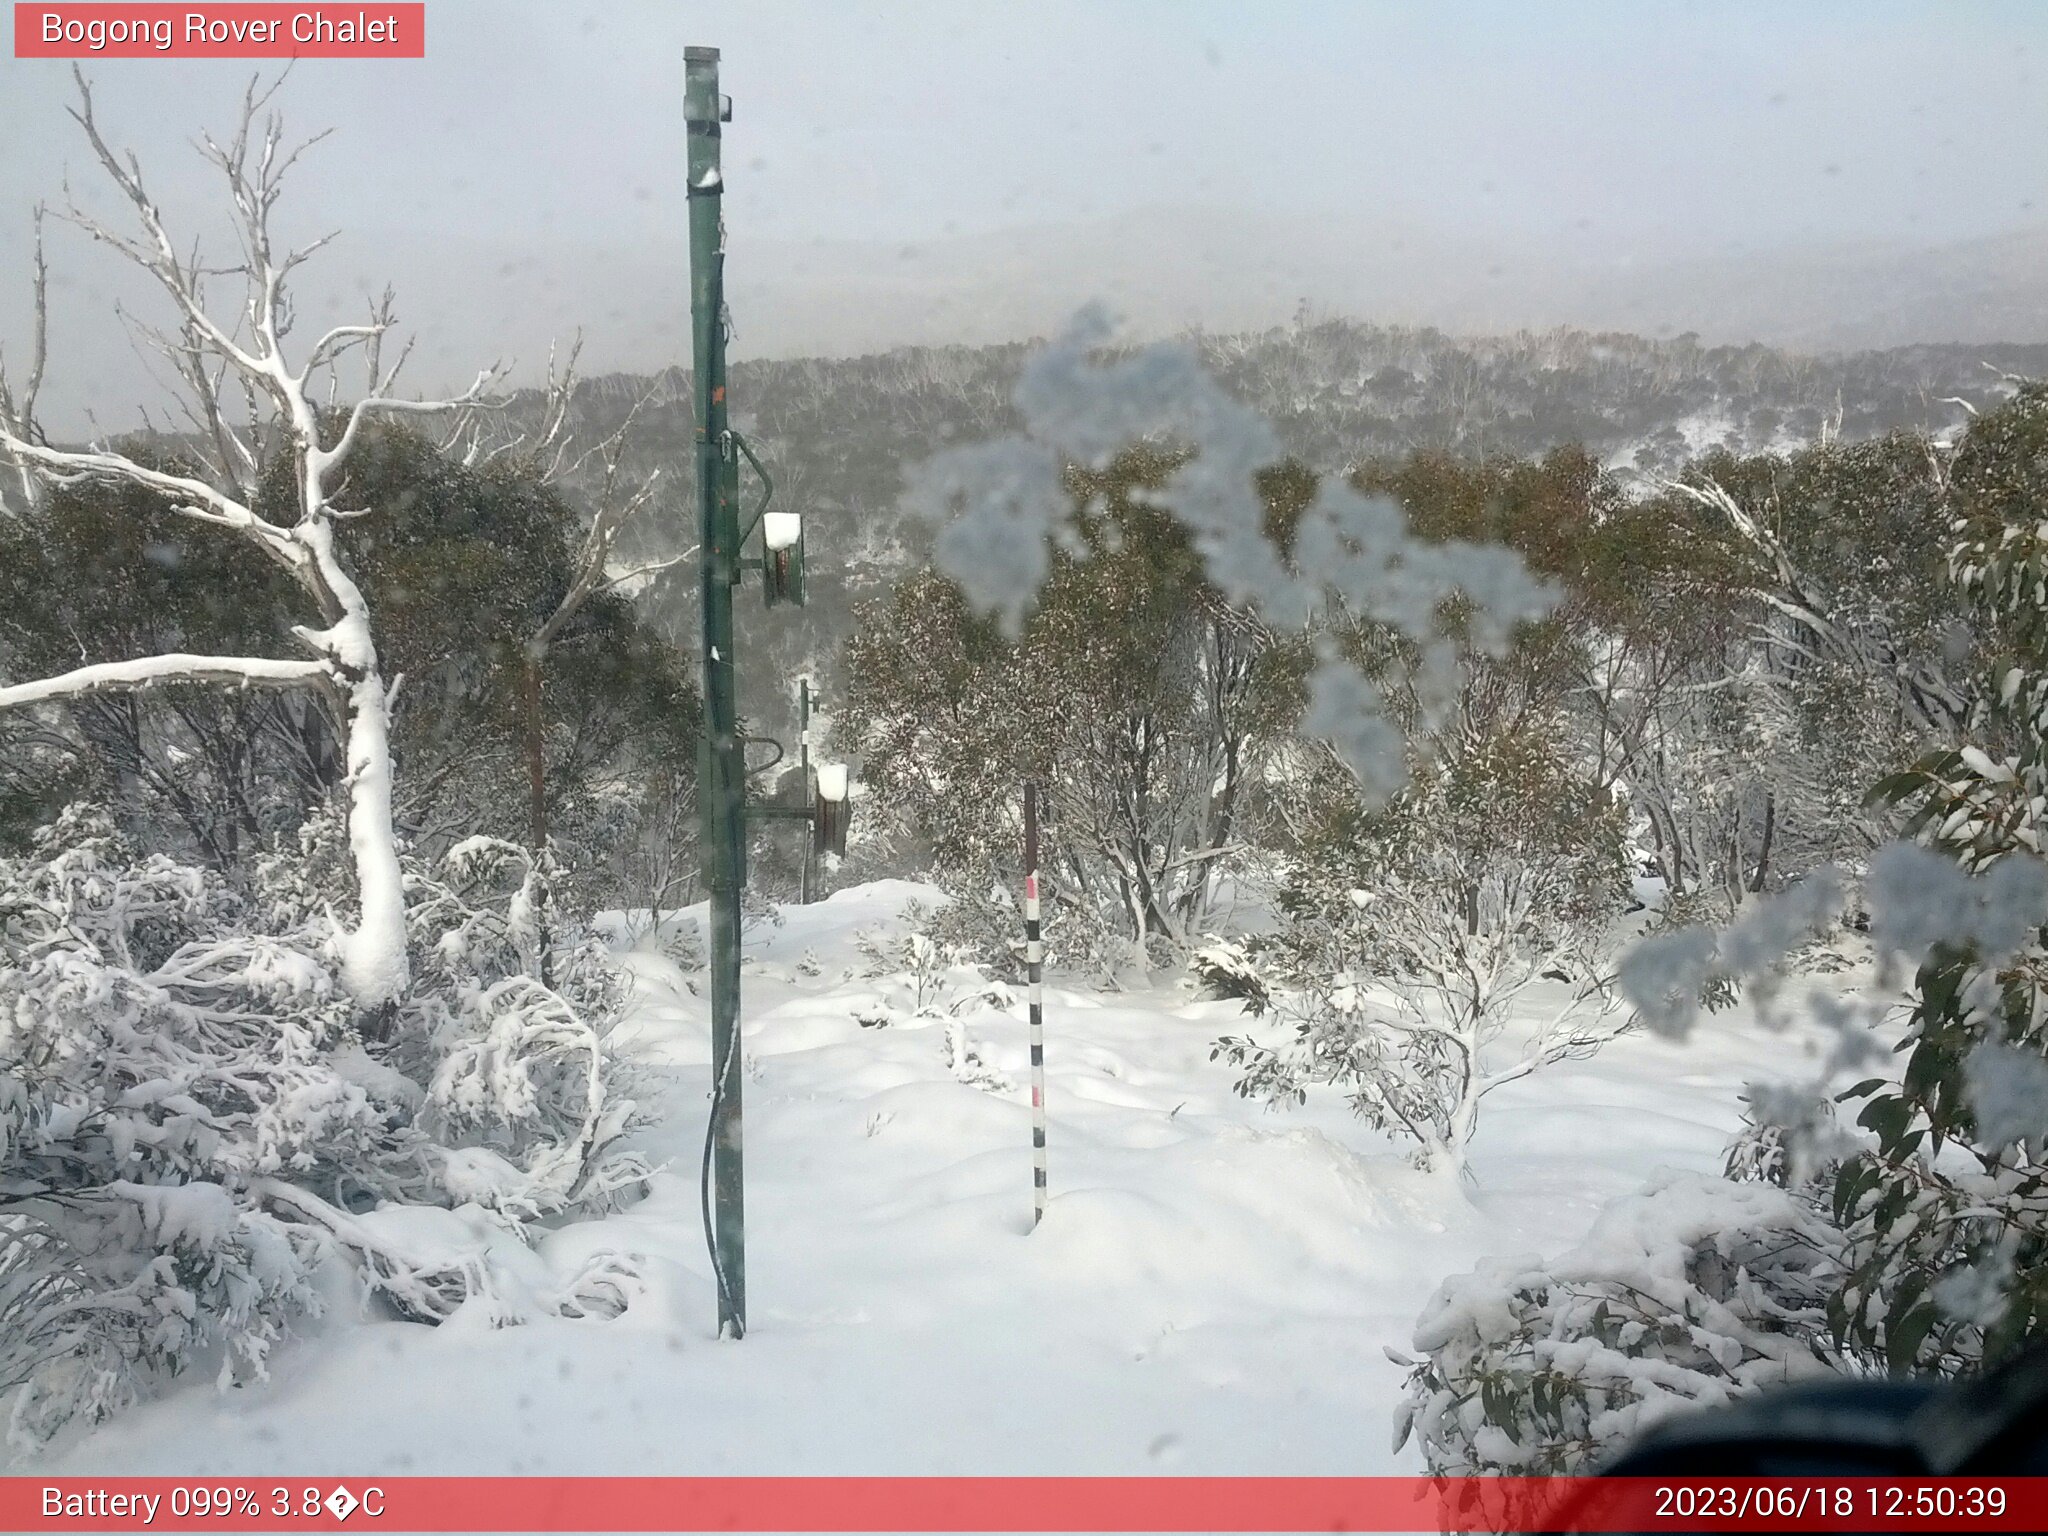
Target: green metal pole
[[721, 778], [809, 882]]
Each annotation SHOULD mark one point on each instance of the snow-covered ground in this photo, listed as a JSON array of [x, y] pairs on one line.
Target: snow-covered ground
[[1210, 1292]]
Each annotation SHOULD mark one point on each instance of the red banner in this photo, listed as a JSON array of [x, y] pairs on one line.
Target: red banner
[[398, 1504], [215, 31]]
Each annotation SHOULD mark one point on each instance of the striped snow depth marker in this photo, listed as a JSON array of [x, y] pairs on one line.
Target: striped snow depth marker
[[1034, 972]]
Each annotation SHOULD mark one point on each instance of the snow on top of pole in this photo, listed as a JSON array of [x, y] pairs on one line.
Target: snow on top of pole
[[779, 530]]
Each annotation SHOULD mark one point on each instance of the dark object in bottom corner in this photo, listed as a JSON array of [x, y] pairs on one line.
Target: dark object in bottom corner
[[1995, 1425]]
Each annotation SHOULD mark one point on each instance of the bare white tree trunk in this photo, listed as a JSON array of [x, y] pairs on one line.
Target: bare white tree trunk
[[206, 353]]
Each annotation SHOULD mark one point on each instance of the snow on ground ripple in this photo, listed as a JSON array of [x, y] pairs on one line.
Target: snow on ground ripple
[[1210, 1292]]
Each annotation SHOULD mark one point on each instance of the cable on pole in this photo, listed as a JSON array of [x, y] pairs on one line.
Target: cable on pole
[[1034, 971], [732, 1314]]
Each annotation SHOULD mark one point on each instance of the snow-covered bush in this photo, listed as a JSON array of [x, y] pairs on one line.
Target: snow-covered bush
[[923, 976], [757, 912], [159, 1056], [1416, 935], [983, 1001], [1947, 1214], [684, 946], [983, 924], [108, 1286], [914, 961], [1228, 968], [191, 1113], [925, 979], [522, 1093], [1688, 1295]]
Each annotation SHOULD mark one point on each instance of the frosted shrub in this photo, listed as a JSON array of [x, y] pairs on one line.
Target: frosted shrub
[[1414, 935], [924, 976], [155, 1058], [1688, 1295], [108, 1287], [915, 963], [190, 1113], [521, 1090], [1228, 968], [982, 924]]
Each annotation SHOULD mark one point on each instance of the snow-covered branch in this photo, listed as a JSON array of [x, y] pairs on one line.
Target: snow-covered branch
[[18, 413], [155, 253], [150, 671], [187, 496], [370, 406]]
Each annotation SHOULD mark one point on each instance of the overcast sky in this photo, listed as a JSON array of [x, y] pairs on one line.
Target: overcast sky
[[527, 173]]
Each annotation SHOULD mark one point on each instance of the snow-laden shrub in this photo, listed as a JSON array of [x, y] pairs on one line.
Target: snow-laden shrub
[[103, 1288], [923, 976], [159, 1056], [981, 921], [1445, 945], [1227, 968], [1947, 1211], [915, 963], [192, 1111], [1690, 1294], [505, 1026], [923, 979]]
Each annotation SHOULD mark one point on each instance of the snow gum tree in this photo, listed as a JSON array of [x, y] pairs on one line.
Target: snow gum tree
[[461, 566], [105, 572], [211, 1081], [1416, 933], [1904, 1232], [221, 353], [1145, 705], [1832, 652], [1946, 1210]]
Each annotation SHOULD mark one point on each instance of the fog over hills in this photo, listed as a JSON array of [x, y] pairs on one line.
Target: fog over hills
[[1223, 269], [1220, 269], [469, 300], [1841, 298]]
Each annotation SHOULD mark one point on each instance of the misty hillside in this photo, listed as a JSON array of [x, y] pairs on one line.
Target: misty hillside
[[1228, 268], [838, 433], [1166, 270]]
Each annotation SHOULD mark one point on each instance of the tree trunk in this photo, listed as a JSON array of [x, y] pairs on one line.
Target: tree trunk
[[536, 755], [537, 805], [1763, 856], [374, 965]]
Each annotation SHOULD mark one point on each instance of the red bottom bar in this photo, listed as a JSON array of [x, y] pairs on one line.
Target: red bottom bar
[[1223, 1504]]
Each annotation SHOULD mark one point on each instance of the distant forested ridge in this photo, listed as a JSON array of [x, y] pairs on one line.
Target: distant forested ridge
[[837, 433]]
